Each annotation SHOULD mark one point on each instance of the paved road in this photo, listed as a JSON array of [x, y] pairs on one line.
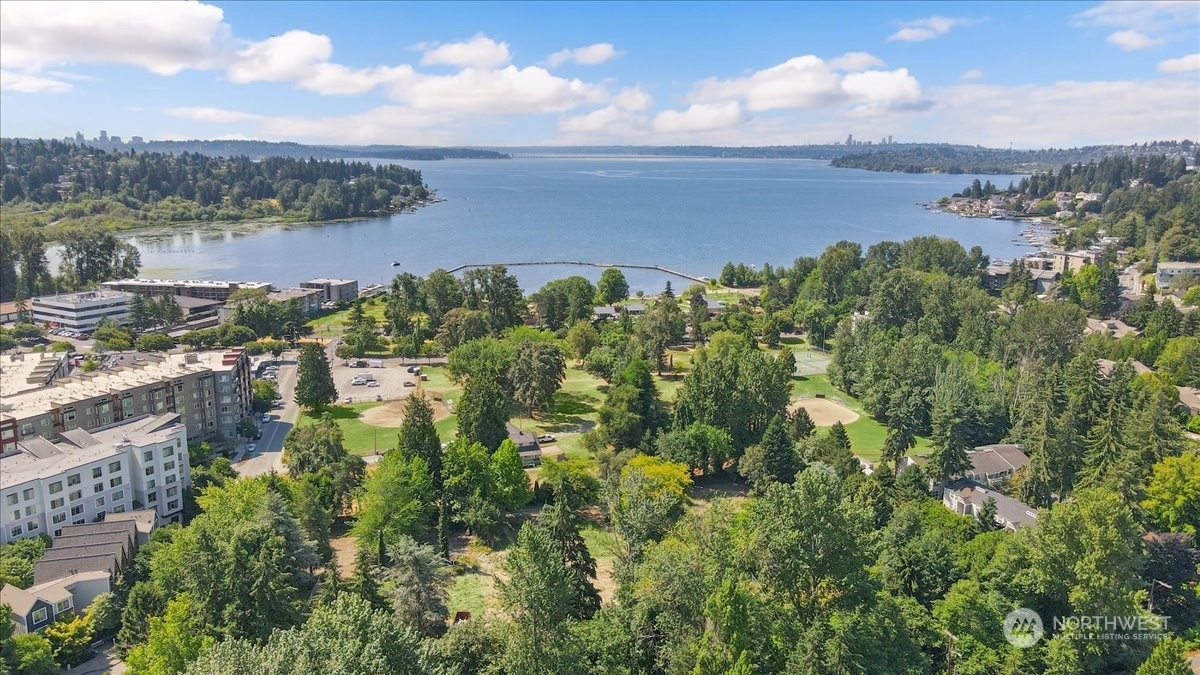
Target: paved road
[[268, 454]]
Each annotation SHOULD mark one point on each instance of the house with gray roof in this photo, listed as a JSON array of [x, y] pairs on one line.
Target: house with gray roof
[[527, 445], [38, 606], [995, 464], [967, 498]]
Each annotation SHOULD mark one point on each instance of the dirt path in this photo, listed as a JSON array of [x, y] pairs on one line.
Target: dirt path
[[392, 414]]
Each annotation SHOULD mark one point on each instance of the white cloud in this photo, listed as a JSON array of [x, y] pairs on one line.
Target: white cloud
[[972, 74], [1132, 40], [920, 30], [1183, 64], [282, 58], [31, 84], [215, 115], [162, 37], [809, 82], [584, 56], [633, 99], [1142, 25], [700, 118], [506, 91], [852, 62], [478, 52]]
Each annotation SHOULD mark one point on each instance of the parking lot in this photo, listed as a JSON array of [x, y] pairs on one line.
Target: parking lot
[[391, 379]]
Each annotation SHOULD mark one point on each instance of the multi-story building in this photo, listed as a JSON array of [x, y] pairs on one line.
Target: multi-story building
[[209, 390], [336, 290], [208, 290], [309, 299], [1061, 261], [83, 310], [1167, 271], [138, 463]]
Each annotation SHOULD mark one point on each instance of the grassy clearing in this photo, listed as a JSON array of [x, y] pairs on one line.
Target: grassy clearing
[[866, 434], [333, 324], [470, 593], [359, 438]]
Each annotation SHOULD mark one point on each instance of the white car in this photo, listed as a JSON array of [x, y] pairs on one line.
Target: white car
[[266, 418], [546, 438], [251, 448], [373, 383]]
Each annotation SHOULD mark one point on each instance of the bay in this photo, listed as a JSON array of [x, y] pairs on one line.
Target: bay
[[690, 215]]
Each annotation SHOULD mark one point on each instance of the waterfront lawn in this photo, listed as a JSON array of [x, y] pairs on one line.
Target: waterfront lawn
[[866, 433], [334, 324], [358, 437]]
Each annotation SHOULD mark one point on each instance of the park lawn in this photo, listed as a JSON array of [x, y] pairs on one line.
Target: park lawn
[[866, 433], [575, 411], [332, 324], [358, 437], [470, 593]]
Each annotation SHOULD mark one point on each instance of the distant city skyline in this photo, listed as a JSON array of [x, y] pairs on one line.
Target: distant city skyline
[[503, 74]]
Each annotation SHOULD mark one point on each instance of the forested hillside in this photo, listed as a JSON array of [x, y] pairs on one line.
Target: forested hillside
[[55, 182], [966, 159]]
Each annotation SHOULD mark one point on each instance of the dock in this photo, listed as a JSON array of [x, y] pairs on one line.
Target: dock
[[584, 263]]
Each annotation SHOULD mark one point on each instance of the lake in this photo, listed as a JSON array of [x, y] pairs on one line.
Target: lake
[[690, 215]]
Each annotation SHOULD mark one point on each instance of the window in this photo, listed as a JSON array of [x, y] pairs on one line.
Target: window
[[171, 478], [168, 451], [114, 467], [96, 472], [11, 500], [149, 471], [168, 466], [98, 487], [16, 531], [172, 505], [114, 482], [118, 495], [119, 508], [31, 526], [172, 491], [77, 510], [152, 497], [39, 615], [148, 456], [27, 429], [56, 487], [57, 503], [74, 479], [58, 518], [99, 503], [61, 607], [150, 484], [17, 514], [27, 494], [30, 510], [76, 495]]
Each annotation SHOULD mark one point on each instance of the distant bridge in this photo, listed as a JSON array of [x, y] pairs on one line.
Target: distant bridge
[[584, 263]]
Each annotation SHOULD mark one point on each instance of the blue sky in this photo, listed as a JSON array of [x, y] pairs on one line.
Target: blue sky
[[1027, 74]]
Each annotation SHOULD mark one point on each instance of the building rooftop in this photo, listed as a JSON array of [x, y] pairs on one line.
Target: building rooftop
[[335, 282], [195, 283], [1179, 265], [21, 601], [294, 293], [1106, 367], [998, 458], [122, 371], [83, 296], [1007, 508], [25, 371], [39, 458], [526, 442], [189, 303]]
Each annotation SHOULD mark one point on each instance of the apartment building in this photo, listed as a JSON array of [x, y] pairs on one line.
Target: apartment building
[[336, 290], [205, 289], [81, 311], [46, 486], [209, 390], [1167, 271]]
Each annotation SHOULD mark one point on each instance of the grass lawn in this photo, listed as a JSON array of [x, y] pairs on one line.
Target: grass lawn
[[469, 593], [358, 438], [332, 324], [866, 434]]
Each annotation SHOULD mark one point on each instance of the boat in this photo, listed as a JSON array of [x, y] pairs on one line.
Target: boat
[[395, 264]]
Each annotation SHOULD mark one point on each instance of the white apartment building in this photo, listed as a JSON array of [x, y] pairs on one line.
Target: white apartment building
[[140, 463], [83, 310], [1167, 271]]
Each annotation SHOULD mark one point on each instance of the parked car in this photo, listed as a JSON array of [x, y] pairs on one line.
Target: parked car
[[409, 383], [546, 438], [378, 397], [251, 448], [373, 383], [356, 382], [348, 399], [412, 369], [266, 418]]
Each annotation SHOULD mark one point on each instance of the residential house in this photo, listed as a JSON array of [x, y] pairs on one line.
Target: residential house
[[91, 547], [1168, 271], [1106, 367], [527, 446], [967, 498], [38, 606], [994, 465]]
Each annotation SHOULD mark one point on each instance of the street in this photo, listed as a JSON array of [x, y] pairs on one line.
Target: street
[[268, 454]]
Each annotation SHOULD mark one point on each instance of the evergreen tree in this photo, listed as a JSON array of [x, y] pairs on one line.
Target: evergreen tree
[[419, 437], [537, 371], [483, 412], [315, 388], [1167, 658], [772, 461], [139, 312], [563, 525], [418, 579], [953, 421], [539, 598], [987, 516], [800, 424]]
